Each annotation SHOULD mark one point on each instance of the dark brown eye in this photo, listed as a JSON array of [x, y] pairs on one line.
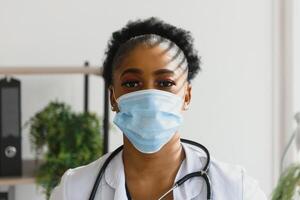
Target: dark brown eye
[[165, 83], [130, 84]]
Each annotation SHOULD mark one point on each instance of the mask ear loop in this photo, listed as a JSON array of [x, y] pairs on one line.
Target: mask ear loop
[[114, 107], [186, 107]]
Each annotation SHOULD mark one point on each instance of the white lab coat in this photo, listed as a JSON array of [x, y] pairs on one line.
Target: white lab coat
[[228, 182]]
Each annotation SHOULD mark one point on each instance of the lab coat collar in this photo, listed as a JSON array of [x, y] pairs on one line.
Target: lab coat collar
[[192, 163], [115, 176]]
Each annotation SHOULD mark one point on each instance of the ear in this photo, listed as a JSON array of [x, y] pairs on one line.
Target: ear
[[113, 102], [187, 97]]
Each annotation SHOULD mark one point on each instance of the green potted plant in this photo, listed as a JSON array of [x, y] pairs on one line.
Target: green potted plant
[[63, 139], [288, 185]]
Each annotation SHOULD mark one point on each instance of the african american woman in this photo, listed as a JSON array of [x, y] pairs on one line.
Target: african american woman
[[149, 66]]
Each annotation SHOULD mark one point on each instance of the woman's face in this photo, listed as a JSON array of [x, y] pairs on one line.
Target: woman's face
[[150, 68]]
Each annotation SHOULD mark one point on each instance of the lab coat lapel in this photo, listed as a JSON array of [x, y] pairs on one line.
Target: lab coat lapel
[[115, 177], [192, 163]]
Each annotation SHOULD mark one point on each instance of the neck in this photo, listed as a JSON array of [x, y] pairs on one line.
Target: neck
[[167, 160]]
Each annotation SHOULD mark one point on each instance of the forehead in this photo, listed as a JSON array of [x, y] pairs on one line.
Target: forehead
[[149, 59]]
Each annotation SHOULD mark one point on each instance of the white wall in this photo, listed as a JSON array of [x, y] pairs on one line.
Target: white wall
[[296, 57], [231, 105]]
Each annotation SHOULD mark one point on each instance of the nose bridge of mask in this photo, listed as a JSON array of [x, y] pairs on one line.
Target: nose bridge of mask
[[151, 99]]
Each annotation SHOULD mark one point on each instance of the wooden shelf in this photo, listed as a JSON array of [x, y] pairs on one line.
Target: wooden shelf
[[16, 180], [50, 70], [28, 175]]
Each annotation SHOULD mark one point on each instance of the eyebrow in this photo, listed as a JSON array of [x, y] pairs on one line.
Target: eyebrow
[[163, 71], [131, 70], [138, 71]]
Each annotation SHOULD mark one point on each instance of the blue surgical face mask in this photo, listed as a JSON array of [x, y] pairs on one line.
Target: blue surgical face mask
[[149, 118]]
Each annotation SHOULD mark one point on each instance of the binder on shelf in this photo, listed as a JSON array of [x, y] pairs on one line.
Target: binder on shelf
[[10, 127]]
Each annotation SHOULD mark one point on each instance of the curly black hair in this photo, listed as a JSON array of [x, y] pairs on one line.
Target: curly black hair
[[182, 38]]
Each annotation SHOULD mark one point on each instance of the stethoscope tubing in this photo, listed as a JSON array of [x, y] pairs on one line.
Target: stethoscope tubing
[[202, 173]]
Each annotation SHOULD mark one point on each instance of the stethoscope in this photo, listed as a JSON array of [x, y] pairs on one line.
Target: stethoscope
[[202, 173]]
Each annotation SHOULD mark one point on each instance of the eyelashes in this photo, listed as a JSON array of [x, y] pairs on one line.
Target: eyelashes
[[131, 84], [164, 84]]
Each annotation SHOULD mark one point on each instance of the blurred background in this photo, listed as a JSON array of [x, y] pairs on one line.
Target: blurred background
[[244, 99]]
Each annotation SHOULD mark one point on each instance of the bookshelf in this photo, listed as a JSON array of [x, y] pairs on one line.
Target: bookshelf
[[63, 70], [29, 167]]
